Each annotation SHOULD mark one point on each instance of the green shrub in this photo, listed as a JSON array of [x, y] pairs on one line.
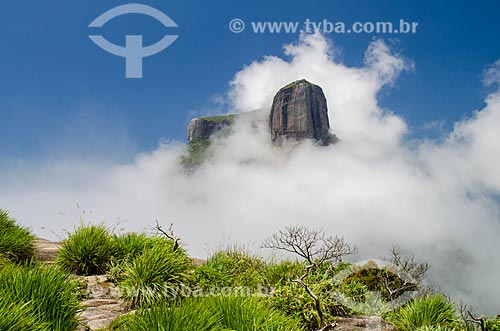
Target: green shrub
[[210, 314], [362, 288], [493, 324], [146, 277], [16, 242], [116, 270], [42, 295], [87, 251], [191, 314], [251, 313], [427, 311], [196, 152], [434, 328], [374, 277], [233, 266], [3, 260], [126, 248], [281, 272], [121, 322], [129, 245], [292, 299], [19, 316], [207, 276]]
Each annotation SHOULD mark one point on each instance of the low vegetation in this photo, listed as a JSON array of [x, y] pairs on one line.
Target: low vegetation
[[234, 289], [196, 152], [87, 251], [221, 118], [492, 324], [431, 311], [36, 297], [129, 245], [16, 242], [210, 314], [318, 251], [19, 316], [149, 277], [232, 266]]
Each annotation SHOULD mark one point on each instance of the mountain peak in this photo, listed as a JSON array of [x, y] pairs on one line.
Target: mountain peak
[[299, 111]]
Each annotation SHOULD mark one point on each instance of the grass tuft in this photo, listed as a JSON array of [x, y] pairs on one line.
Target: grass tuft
[[251, 313], [148, 275], [38, 298], [129, 245], [428, 311], [231, 266], [19, 316], [16, 242], [191, 314], [87, 251], [209, 314]]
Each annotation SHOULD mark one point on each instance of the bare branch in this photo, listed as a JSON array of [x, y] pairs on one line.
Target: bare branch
[[408, 264], [407, 269], [170, 235], [311, 245], [477, 320], [312, 294], [322, 325], [316, 248]]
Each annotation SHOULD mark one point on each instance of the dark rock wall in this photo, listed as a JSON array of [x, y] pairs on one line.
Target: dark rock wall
[[299, 111], [204, 128]]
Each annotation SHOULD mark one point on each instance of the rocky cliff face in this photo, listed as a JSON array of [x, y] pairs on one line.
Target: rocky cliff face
[[203, 128], [299, 111]]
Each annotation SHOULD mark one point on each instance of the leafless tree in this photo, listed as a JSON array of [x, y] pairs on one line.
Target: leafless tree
[[312, 245], [409, 271], [316, 248]]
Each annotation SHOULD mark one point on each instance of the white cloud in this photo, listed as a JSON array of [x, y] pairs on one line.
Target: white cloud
[[351, 92], [439, 200], [492, 75]]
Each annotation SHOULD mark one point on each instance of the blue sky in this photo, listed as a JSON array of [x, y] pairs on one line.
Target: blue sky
[[61, 94], [75, 131]]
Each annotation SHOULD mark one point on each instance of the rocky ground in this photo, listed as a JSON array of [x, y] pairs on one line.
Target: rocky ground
[[46, 250], [372, 323], [103, 304]]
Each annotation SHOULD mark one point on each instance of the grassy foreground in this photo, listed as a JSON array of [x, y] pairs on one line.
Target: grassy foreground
[[233, 290]]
